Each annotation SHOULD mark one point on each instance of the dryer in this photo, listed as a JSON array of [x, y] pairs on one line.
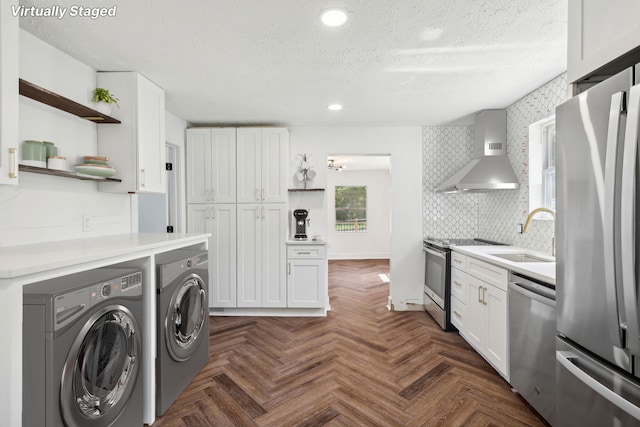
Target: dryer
[[182, 322], [82, 350]]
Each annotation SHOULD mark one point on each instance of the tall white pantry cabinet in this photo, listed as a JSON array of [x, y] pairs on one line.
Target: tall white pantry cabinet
[[237, 191]]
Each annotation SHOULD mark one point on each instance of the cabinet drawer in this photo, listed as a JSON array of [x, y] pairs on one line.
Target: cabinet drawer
[[458, 261], [488, 272], [459, 285], [458, 311], [311, 251]]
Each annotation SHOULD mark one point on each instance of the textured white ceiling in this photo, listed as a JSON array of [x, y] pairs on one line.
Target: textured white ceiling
[[396, 62]]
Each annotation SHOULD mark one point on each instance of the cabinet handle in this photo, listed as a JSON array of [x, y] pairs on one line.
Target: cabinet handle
[[257, 194], [304, 253], [263, 194], [457, 314], [213, 194], [207, 194], [457, 283], [289, 268], [258, 212], [13, 155], [264, 212], [207, 213], [213, 212], [484, 301], [142, 178], [457, 260], [479, 298]]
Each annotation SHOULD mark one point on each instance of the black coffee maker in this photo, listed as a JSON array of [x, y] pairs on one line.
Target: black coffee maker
[[300, 216]]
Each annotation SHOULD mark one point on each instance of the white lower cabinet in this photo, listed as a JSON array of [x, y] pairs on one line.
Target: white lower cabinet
[[481, 306], [261, 231], [306, 276], [220, 221]]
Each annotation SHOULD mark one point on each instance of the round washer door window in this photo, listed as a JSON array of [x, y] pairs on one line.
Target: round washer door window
[[102, 368], [185, 317]]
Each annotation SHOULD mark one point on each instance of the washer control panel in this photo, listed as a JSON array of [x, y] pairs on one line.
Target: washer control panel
[[128, 285]]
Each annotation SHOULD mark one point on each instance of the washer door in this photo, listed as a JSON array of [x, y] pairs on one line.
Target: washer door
[[101, 369], [185, 317]]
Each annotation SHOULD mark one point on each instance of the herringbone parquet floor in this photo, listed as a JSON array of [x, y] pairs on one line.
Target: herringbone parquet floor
[[362, 365]]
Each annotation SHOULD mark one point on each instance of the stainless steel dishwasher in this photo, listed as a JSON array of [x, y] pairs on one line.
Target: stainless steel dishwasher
[[532, 329]]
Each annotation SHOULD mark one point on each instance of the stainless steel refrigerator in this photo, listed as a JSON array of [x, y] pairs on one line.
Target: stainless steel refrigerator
[[598, 342]]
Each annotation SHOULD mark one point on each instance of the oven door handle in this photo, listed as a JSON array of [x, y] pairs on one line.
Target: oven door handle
[[434, 253]]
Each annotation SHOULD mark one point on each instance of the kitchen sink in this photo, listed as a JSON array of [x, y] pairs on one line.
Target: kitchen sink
[[521, 257]]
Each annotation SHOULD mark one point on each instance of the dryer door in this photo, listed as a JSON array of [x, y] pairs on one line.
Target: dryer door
[[185, 317], [102, 368]]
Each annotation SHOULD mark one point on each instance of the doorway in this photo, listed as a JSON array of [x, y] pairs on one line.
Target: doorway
[[172, 154], [358, 208]]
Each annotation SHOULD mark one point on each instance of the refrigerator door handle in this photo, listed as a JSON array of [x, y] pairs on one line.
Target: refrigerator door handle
[[627, 220], [608, 216], [565, 357]]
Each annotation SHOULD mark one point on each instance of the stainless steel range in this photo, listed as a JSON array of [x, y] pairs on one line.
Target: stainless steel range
[[437, 276]]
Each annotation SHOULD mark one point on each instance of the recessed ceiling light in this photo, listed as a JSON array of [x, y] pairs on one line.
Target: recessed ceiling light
[[335, 107], [334, 17]]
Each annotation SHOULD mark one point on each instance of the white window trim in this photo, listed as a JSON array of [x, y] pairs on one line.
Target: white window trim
[[535, 165]]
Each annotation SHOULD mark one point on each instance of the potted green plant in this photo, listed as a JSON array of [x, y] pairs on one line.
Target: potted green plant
[[103, 100]]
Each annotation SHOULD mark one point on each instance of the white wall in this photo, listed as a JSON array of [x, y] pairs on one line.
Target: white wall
[[375, 243], [403, 144], [46, 208]]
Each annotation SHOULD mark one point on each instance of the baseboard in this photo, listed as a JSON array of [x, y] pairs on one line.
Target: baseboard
[[269, 312], [343, 256]]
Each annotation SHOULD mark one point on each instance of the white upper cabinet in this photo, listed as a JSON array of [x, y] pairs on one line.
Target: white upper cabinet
[[599, 32], [136, 147], [261, 165], [211, 165], [8, 96]]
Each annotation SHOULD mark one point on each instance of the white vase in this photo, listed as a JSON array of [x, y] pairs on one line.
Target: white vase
[[103, 107]]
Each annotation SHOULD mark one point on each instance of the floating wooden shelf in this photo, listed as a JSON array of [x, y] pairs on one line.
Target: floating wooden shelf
[[64, 174], [295, 190], [54, 100]]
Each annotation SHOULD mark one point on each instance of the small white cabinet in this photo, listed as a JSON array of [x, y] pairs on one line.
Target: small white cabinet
[[479, 308], [261, 231], [211, 165], [306, 275], [8, 96], [262, 165], [220, 221], [598, 33], [136, 147]]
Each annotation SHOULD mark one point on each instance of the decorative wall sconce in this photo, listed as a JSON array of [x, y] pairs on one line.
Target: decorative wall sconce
[[305, 173]]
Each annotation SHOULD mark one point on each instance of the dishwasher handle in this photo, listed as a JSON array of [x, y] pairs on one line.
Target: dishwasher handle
[[545, 296]]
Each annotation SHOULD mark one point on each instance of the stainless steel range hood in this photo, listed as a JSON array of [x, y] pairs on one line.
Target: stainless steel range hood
[[492, 171]]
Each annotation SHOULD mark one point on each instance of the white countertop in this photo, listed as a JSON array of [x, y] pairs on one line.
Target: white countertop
[[16, 261], [545, 271], [306, 242]]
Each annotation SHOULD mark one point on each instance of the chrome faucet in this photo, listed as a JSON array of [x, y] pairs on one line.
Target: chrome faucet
[[527, 223]]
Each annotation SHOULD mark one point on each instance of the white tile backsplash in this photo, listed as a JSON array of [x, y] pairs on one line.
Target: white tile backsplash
[[493, 215], [446, 150]]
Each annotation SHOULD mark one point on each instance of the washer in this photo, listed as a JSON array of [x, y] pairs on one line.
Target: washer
[[82, 350], [183, 322]]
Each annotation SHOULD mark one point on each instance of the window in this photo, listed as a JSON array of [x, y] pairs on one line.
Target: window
[[542, 164], [351, 209]]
